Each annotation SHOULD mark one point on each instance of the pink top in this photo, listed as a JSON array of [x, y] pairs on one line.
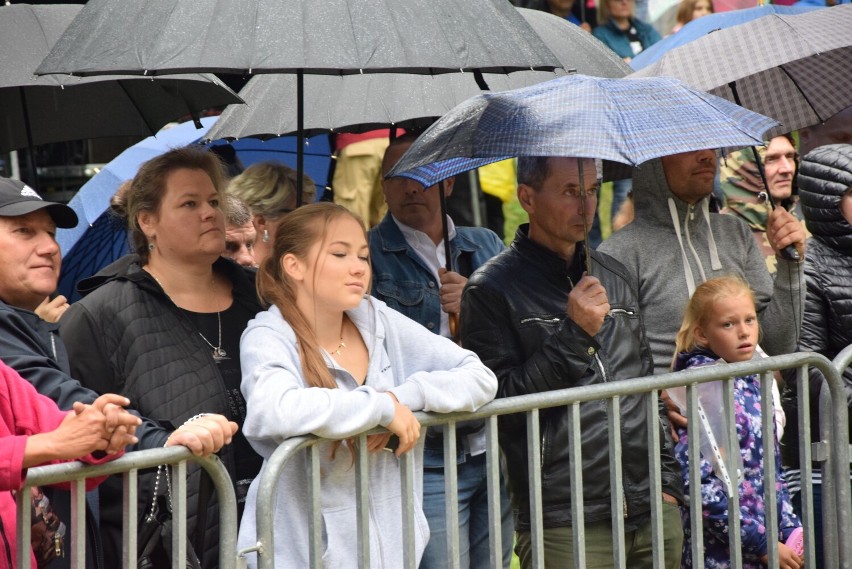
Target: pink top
[[23, 412]]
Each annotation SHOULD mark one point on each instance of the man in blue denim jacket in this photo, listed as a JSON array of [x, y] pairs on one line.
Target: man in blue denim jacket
[[408, 258]]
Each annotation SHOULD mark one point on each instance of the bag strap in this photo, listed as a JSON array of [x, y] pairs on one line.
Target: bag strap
[[152, 513]]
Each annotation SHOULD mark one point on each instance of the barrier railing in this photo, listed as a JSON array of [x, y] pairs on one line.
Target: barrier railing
[[832, 451], [129, 465], [837, 446]]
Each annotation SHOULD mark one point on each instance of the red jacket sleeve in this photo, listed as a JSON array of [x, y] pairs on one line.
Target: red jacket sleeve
[[23, 412]]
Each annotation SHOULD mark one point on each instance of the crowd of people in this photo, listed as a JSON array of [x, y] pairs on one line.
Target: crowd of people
[[240, 320]]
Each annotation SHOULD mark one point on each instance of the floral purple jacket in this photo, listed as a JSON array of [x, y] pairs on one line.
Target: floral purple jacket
[[747, 407]]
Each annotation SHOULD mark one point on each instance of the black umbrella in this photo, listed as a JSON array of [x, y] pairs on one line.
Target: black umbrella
[[302, 37], [794, 68], [39, 110], [358, 103]]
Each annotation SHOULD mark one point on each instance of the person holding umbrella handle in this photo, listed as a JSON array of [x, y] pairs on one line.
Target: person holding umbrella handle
[[414, 250]]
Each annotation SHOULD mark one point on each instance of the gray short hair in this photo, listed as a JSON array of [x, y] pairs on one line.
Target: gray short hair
[[237, 212]]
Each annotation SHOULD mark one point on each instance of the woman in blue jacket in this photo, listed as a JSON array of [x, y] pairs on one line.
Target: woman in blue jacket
[[619, 29]]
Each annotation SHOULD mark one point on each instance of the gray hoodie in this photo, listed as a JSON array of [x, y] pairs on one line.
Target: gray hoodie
[[671, 247], [424, 371]]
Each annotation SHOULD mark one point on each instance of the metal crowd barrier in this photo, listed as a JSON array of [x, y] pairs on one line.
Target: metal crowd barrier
[[129, 465], [832, 450], [836, 445]]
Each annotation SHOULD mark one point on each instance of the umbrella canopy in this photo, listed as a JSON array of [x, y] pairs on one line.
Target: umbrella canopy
[[623, 120], [311, 36], [40, 110], [303, 37], [711, 23], [357, 103], [100, 238], [795, 68]]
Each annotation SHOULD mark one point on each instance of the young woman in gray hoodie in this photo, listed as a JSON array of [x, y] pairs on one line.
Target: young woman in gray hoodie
[[329, 360]]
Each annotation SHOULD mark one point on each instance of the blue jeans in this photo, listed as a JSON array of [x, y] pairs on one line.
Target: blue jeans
[[473, 514]]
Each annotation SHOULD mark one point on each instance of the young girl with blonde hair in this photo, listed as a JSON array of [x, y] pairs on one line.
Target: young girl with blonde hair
[[720, 325], [328, 359]]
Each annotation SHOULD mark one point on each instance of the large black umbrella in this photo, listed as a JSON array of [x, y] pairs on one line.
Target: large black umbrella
[[302, 37], [357, 103], [39, 110]]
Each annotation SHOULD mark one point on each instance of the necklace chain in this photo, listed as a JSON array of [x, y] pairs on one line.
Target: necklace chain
[[341, 346], [218, 353]]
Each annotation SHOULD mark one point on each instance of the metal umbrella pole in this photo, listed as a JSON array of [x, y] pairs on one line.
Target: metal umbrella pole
[[300, 135], [588, 257], [789, 252], [448, 254]]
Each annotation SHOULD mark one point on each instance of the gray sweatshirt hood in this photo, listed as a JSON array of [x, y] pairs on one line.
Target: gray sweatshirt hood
[[655, 205]]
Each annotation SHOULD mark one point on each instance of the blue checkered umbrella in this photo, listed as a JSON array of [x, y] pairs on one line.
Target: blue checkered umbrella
[[628, 121]]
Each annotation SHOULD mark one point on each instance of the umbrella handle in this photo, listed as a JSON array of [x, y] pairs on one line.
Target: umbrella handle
[[455, 328], [789, 252]]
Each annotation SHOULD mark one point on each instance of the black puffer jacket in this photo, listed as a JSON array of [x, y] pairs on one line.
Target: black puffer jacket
[[513, 317], [824, 175], [126, 336]]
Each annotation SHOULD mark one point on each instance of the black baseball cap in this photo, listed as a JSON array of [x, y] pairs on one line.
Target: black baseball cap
[[17, 198]]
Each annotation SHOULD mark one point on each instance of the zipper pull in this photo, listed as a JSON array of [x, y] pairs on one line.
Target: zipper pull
[[57, 545], [691, 212], [624, 504]]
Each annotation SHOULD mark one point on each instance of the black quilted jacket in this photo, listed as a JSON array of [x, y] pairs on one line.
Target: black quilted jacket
[[824, 175], [126, 336]]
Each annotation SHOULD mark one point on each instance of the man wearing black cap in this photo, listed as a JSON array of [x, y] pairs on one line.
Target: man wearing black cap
[[30, 261]]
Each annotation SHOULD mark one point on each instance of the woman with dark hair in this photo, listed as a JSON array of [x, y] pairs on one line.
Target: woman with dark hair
[[328, 359], [162, 327]]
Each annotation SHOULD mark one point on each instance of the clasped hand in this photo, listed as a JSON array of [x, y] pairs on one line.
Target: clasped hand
[[104, 425]]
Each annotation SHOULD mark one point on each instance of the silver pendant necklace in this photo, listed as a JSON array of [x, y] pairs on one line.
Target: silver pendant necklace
[[218, 353]]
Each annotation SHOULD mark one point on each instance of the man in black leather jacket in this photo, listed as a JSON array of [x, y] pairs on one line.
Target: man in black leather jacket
[[541, 324]]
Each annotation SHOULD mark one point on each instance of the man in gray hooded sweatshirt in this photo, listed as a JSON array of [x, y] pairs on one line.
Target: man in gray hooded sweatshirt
[[675, 243]]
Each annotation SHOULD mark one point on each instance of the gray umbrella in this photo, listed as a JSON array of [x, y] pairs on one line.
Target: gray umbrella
[[311, 36], [299, 36], [39, 110], [357, 103], [794, 68]]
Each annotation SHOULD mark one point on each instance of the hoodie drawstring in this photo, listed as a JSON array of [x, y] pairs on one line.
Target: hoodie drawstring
[[690, 281], [715, 263]]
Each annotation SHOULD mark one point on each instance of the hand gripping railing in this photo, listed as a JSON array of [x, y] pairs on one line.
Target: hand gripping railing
[[129, 465], [572, 398]]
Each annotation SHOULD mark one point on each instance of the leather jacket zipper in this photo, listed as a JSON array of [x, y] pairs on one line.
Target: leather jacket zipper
[[600, 366], [621, 311], [603, 375], [536, 319]]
